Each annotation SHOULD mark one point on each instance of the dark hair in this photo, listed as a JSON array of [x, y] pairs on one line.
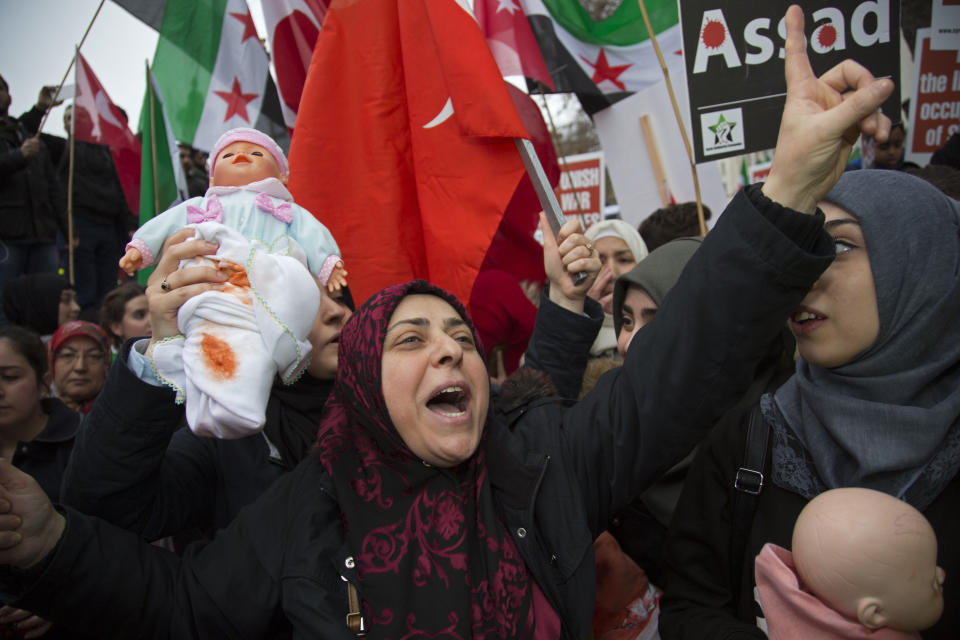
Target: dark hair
[[671, 222], [29, 345], [4, 83], [114, 304], [943, 177]]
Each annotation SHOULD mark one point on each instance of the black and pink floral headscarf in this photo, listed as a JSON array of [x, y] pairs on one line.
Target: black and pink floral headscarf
[[434, 559]]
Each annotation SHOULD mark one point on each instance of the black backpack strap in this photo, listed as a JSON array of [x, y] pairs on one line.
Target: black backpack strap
[[748, 484]]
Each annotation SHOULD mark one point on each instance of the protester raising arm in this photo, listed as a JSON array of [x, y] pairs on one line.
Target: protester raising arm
[[567, 320], [30, 529]]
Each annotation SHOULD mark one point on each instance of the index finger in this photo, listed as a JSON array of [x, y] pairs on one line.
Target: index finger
[[179, 236], [569, 228], [174, 253], [796, 64]]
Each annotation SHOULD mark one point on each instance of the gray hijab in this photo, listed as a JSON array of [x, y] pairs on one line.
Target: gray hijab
[[656, 274], [890, 419]]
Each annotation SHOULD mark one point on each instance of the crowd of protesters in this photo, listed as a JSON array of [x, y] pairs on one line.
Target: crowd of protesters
[[611, 467]]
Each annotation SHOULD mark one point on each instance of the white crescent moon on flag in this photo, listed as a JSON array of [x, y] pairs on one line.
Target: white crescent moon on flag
[[103, 109], [441, 117], [468, 7]]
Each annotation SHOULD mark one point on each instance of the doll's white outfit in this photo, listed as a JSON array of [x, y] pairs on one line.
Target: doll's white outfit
[[262, 211], [235, 340]]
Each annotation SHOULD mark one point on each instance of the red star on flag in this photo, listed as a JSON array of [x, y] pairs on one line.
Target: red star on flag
[[249, 30], [237, 101], [603, 71]]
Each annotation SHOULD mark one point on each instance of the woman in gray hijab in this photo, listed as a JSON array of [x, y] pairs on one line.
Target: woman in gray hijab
[[874, 402]]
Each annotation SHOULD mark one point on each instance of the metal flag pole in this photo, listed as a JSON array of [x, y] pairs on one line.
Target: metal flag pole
[[561, 153], [548, 199]]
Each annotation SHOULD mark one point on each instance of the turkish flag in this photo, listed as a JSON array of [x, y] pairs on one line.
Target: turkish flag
[[511, 40], [293, 27], [98, 120], [404, 142]]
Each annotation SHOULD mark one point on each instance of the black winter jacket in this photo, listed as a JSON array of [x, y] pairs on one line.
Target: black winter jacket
[[136, 467], [97, 192], [32, 206], [46, 456], [556, 473]]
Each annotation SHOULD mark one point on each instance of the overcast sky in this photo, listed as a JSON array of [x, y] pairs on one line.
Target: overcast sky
[[37, 40]]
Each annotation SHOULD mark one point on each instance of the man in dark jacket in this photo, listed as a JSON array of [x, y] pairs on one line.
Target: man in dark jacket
[[31, 204], [101, 215]]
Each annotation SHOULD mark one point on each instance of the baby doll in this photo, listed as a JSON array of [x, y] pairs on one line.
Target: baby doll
[[235, 339], [248, 174], [864, 565]]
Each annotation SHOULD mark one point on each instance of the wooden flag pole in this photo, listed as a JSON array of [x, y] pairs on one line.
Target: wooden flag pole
[[653, 150], [70, 66], [153, 141], [73, 128], [676, 112]]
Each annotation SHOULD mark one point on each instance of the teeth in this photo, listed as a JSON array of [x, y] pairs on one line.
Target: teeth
[[458, 397], [803, 316]]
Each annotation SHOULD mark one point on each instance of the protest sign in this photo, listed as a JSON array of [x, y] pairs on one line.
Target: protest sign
[[945, 25], [638, 183], [758, 172], [935, 102], [582, 187], [733, 53]]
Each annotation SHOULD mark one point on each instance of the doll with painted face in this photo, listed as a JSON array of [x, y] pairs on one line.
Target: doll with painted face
[[863, 565], [234, 340], [248, 177]]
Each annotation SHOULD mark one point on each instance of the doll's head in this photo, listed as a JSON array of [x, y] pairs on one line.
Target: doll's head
[[244, 155], [871, 557]]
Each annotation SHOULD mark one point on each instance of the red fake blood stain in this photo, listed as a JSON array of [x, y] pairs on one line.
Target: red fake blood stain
[[237, 282], [713, 34], [238, 275], [827, 36], [218, 356]]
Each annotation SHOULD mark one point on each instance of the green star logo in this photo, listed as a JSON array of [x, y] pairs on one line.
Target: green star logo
[[722, 131]]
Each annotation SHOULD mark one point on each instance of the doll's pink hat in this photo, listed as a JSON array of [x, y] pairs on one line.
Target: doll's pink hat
[[246, 134]]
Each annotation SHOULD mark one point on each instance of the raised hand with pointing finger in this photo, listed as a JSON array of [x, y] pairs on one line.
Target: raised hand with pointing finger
[[821, 120]]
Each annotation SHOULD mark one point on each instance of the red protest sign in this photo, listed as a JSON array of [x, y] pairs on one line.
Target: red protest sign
[[582, 187], [935, 107]]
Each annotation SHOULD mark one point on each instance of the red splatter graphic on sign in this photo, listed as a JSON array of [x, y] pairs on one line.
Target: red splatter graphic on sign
[[218, 356], [713, 34], [827, 35]]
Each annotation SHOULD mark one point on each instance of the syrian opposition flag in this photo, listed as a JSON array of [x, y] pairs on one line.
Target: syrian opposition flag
[[511, 41], [404, 142], [292, 27], [211, 68], [605, 60], [98, 120]]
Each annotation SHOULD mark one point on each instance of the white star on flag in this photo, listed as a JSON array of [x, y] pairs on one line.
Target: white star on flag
[[507, 5]]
